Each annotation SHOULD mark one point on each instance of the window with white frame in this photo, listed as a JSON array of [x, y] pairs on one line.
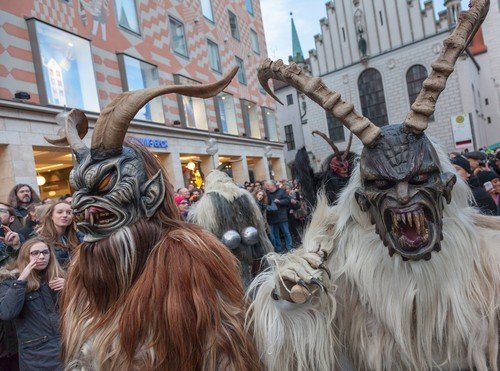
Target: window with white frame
[[241, 71], [192, 110], [289, 99], [126, 14], [269, 119], [214, 57], [226, 113], [250, 114], [206, 9], [178, 38], [63, 66], [249, 6], [255, 41], [137, 74], [233, 24]]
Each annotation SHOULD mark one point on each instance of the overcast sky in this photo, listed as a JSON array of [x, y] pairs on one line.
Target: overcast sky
[[306, 15]]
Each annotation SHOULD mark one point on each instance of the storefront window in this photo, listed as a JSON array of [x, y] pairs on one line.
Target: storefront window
[[250, 118], [206, 9], [269, 119], [126, 13], [178, 38], [136, 75], [63, 64], [226, 114], [193, 111]]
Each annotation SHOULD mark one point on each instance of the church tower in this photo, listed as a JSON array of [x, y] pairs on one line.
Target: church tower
[[297, 55]]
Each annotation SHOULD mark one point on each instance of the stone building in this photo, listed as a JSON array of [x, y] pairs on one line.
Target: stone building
[[82, 54], [377, 53]]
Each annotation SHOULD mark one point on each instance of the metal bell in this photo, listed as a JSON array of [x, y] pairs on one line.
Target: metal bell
[[250, 236], [231, 239]]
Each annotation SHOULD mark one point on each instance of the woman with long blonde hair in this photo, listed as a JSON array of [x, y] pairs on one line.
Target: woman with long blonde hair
[[29, 296], [58, 229]]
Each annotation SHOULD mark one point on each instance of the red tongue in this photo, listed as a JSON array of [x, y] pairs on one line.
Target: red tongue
[[410, 232], [95, 209]]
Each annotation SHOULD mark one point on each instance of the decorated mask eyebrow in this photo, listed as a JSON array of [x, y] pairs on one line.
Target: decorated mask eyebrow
[[111, 187], [403, 188]]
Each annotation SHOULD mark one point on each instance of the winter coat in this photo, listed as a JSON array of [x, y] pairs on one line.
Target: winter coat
[[280, 215], [36, 319]]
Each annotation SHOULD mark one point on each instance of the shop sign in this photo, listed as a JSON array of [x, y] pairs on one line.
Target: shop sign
[[462, 132], [151, 142]]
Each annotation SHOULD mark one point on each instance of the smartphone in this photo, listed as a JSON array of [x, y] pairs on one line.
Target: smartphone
[[488, 186]]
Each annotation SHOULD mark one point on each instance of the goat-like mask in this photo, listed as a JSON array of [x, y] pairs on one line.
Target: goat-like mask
[[402, 183], [112, 190]]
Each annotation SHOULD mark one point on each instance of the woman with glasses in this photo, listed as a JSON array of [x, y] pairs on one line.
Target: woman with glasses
[[58, 229], [30, 300]]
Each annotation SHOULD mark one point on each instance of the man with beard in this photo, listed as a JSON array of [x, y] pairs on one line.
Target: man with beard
[[20, 197]]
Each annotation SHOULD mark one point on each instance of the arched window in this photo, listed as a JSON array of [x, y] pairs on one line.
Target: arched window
[[414, 79], [371, 95]]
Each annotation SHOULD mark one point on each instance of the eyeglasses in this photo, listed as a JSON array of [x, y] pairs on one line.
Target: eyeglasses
[[36, 253]]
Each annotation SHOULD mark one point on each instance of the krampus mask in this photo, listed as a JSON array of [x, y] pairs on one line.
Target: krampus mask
[[403, 187], [110, 183]]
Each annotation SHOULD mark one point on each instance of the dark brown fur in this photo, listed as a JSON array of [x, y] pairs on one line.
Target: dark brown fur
[[183, 299]]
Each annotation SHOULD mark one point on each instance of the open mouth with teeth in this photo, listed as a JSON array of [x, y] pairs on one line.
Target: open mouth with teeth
[[94, 216], [411, 229]]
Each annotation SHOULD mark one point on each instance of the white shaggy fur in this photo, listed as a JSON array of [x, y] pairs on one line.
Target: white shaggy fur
[[391, 314]]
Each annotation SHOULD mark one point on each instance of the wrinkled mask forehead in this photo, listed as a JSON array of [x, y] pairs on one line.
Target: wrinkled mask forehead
[[398, 156]]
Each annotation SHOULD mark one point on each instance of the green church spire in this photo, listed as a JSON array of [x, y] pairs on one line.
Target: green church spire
[[297, 55]]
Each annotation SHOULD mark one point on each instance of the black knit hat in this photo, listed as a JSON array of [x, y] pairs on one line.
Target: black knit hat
[[486, 176], [462, 162], [476, 155]]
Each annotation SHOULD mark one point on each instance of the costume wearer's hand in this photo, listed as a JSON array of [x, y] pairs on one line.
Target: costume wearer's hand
[[11, 238], [57, 284], [301, 276], [26, 271]]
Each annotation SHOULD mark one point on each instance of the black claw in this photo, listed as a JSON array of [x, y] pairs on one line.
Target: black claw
[[302, 283], [322, 266], [275, 295], [318, 283]]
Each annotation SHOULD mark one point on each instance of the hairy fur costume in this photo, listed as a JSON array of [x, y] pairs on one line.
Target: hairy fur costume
[[415, 271], [226, 207], [145, 290]]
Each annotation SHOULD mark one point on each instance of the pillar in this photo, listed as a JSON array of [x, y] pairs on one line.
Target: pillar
[[18, 166], [240, 171]]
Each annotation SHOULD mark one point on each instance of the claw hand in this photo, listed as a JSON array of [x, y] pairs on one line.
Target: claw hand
[[301, 276]]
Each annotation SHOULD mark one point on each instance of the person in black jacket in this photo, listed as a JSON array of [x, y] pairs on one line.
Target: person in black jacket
[[483, 200], [277, 217], [30, 299]]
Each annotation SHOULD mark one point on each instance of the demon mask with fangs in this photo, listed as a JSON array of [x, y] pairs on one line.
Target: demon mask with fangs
[[403, 191], [112, 190], [402, 185]]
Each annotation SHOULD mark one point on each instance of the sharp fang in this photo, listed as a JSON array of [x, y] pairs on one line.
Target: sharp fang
[[409, 217], [394, 223], [422, 219], [417, 223], [403, 217], [91, 219], [398, 217]]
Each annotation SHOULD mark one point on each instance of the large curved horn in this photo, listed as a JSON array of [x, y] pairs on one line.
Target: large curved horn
[[425, 104], [348, 148], [315, 89], [113, 122], [328, 140], [74, 130]]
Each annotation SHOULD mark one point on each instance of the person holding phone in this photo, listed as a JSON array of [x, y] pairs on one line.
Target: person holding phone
[[490, 181], [29, 296]]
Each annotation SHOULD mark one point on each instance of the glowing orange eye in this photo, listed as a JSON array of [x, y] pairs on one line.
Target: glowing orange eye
[[105, 182]]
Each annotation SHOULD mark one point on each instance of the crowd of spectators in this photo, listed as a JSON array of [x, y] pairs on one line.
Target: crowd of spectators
[[37, 240], [481, 171]]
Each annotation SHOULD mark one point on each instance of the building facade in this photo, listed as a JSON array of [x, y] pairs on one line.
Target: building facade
[[57, 54], [376, 54]]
